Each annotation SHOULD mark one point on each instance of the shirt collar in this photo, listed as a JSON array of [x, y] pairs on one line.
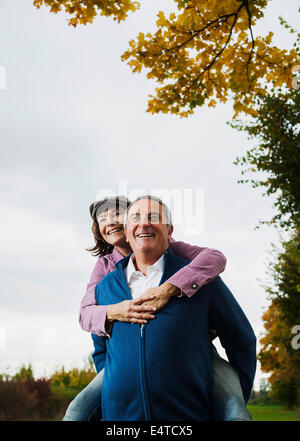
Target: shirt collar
[[114, 257], [157, 266]]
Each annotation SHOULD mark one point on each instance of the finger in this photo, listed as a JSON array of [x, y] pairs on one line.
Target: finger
[[140, 316], [140, 321], [143, 308], [141, 300]]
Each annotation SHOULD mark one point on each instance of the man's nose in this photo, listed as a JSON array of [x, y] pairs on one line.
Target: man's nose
[[144, 220]]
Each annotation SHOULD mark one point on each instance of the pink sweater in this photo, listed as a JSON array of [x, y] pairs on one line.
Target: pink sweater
[[205, 265]]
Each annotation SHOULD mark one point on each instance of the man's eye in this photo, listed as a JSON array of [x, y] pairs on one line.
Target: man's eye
[[154, 217]]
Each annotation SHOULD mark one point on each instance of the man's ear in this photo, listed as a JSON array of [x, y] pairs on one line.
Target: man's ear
[[170, 231]]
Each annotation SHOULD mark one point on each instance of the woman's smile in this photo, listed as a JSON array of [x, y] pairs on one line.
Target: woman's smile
[[114, 230]]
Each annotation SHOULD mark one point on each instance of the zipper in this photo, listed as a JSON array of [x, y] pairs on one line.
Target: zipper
[[145, 397], [143, 375]]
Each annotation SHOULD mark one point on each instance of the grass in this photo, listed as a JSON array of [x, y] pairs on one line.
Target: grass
[[273, 413]]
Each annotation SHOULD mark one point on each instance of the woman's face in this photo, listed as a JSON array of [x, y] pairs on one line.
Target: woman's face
[[111, 225]]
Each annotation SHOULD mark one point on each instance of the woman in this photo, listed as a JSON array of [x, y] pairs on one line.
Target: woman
[[111, 246]]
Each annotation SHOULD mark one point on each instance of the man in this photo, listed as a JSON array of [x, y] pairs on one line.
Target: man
[[163, 370]]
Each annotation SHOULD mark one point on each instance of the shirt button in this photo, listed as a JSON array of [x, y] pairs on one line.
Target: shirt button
[[194, 285]]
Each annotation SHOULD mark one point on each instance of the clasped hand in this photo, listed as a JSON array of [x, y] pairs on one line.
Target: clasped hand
[[142, 309]]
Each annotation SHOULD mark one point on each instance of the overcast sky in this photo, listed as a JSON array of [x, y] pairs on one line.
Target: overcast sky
[[73, 122]]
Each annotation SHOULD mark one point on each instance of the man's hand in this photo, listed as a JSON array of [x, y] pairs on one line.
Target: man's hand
[[161, 295], [133, 311], [141, 309]]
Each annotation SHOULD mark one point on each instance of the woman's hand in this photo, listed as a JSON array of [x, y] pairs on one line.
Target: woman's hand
[[141, 309], [160, 295], [133, 311]]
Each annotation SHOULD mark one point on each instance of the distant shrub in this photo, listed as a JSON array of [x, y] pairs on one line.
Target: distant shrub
[[74, 378], [17, 403], [42, 390], [23, 398], [25, 373], [260, 398]]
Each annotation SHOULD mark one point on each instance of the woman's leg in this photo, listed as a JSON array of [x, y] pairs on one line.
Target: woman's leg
[[229, 403], [86, 406]]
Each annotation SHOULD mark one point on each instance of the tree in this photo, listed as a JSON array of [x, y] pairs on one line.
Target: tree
[[203, 52], [264, 387], [277, 158], [277, 155], [207, 53], [278, 355], [24, 373], [84, 11]]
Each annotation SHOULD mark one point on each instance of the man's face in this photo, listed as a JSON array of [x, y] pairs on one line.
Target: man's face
[[147, 229]]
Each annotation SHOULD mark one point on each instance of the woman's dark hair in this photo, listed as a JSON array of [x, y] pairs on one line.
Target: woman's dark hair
[[101, 248]]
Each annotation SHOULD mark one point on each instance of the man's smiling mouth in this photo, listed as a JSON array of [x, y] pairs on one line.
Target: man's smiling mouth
[[145, 235]]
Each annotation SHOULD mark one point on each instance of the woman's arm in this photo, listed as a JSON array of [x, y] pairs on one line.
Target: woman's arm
[[98, 319], [206, 264], [92, 317]]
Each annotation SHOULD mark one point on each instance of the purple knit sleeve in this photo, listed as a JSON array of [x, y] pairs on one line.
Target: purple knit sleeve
[[92, 317], [206, 264]]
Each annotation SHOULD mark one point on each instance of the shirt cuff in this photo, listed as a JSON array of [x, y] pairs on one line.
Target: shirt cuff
[[104, 327], [187, 282]]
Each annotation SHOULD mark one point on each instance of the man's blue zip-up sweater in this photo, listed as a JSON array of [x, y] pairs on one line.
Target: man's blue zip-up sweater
[[164, 371]]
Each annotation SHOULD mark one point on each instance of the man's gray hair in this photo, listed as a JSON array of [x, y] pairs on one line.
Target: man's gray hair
[[165, 208]]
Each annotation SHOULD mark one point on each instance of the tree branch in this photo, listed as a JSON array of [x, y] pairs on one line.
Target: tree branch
[[251, 33], [220, 52], [222, 18]]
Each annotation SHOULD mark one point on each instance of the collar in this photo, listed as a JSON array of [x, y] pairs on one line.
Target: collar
[[173, 264], [157, 267], [114, 257]]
